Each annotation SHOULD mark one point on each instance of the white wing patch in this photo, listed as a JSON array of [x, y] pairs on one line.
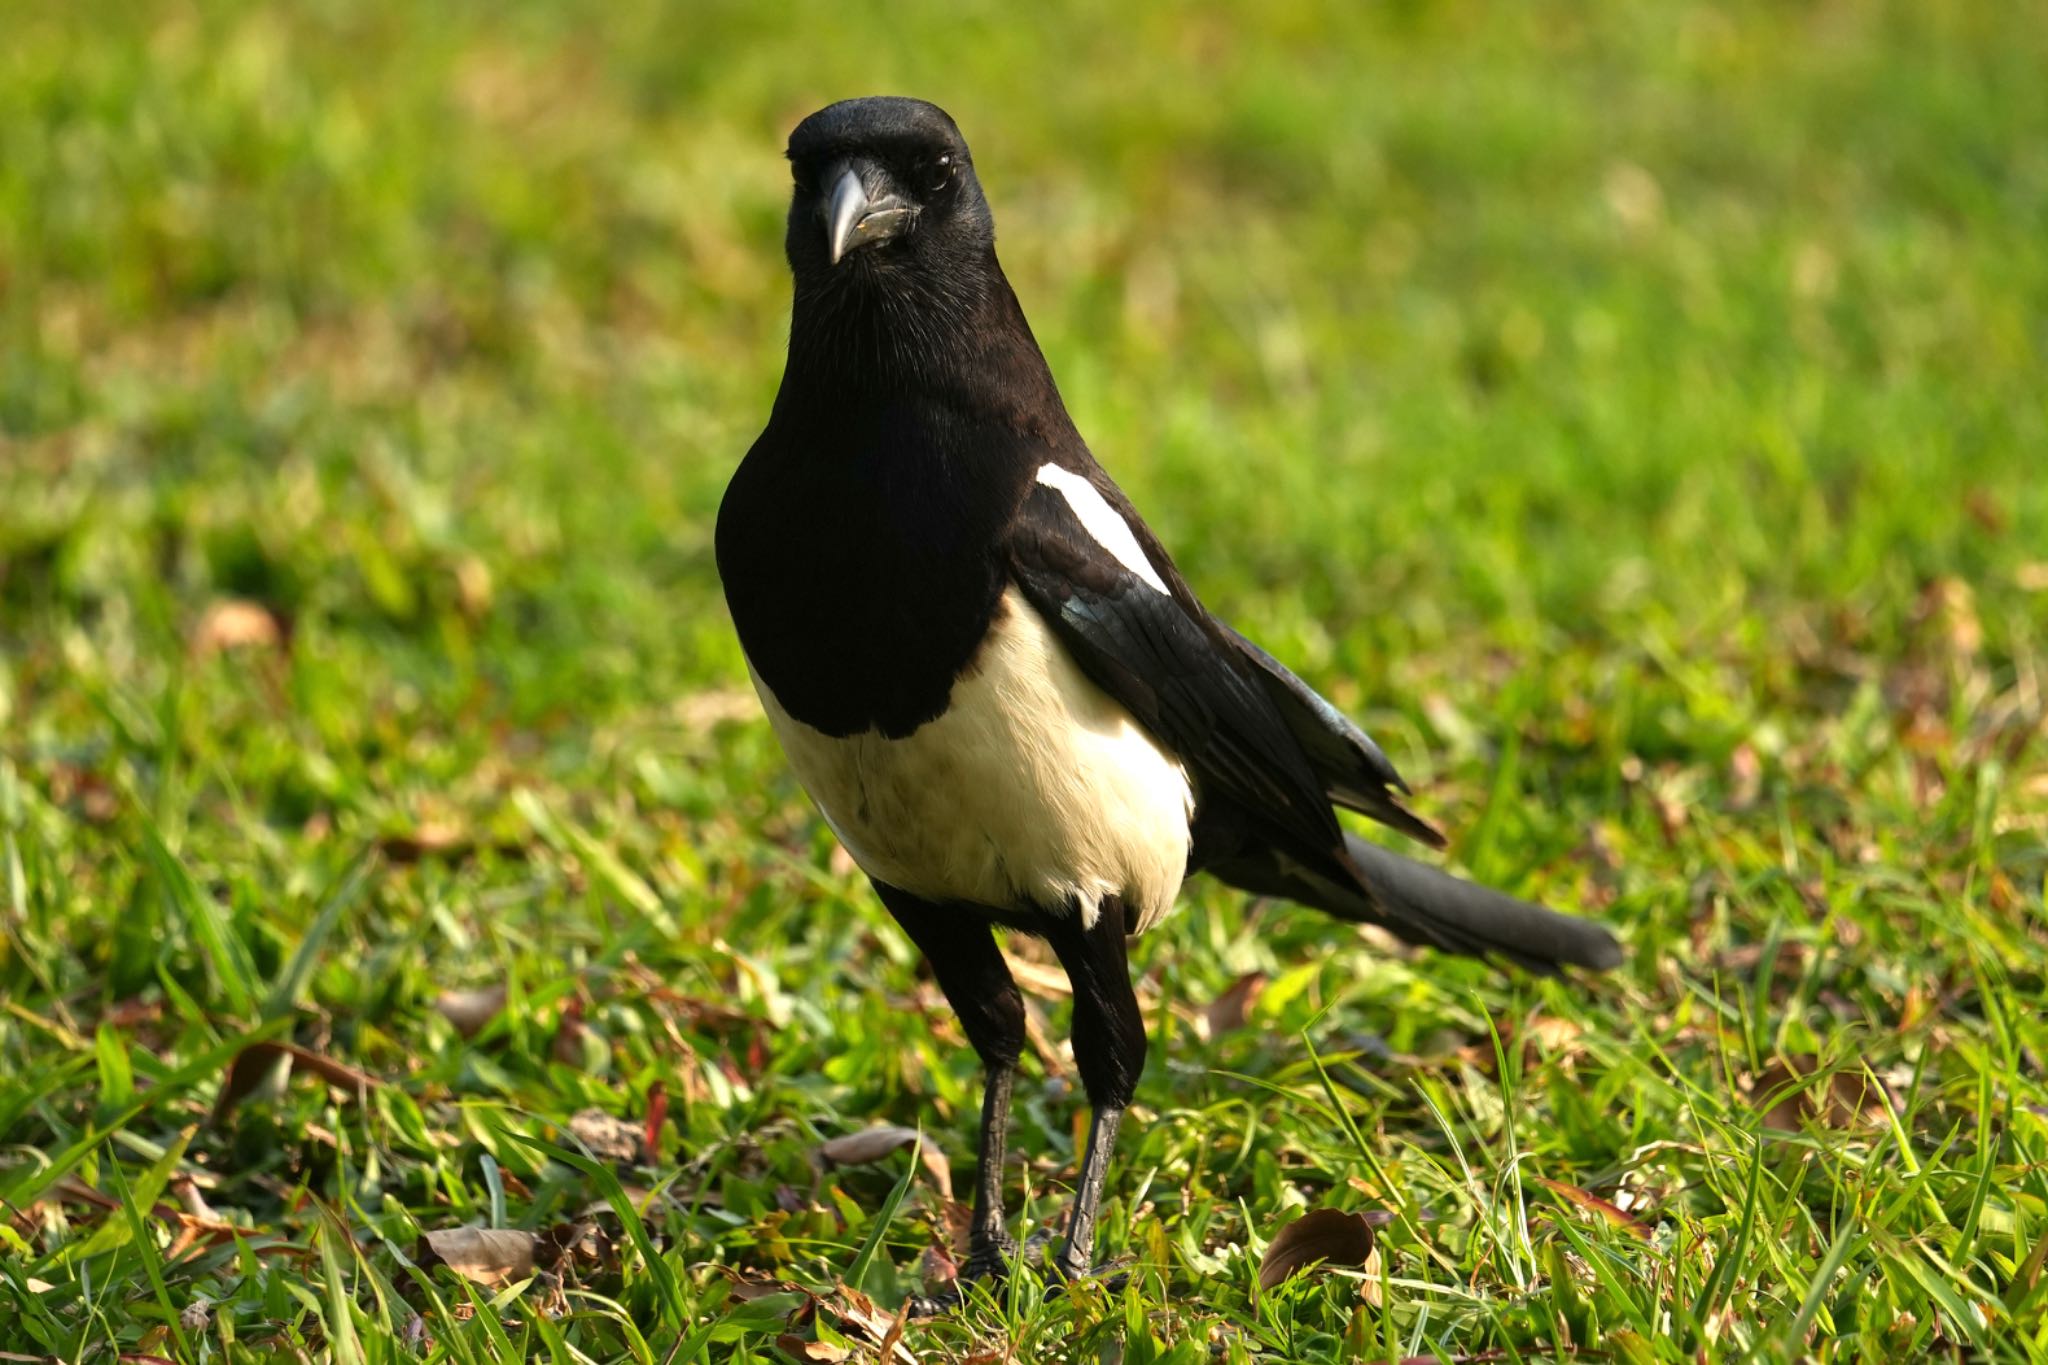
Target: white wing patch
[[1100, 520]]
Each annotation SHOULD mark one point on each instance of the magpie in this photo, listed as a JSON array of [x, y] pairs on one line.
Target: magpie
[[1006, 701]]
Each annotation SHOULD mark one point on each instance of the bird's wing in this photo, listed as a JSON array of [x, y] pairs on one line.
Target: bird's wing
[[1353, 770], [1140, 636]]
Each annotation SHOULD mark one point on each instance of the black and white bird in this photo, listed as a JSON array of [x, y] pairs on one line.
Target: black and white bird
[[1006, 701]]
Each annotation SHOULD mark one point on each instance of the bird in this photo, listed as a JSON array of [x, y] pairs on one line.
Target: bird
[[1000, 692]]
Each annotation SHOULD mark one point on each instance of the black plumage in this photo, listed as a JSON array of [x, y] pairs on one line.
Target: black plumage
[[989, 673]]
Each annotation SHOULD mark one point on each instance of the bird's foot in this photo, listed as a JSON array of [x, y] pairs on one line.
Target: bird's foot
[[988, 1262]]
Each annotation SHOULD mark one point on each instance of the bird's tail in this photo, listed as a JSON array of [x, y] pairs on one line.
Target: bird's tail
[[1418, 903]]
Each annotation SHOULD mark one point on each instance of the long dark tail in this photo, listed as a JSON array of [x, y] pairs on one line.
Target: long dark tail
[[1418, 903]]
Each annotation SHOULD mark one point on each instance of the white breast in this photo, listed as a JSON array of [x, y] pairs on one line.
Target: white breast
[[1035, 788]]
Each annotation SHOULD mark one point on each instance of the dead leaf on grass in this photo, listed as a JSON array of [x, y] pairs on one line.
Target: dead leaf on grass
[[650, 1131], [469, 1011], [253, 1062], [872, 1144], [576, 1043], [1228, 1011], [234, 623], [446, 842], [858, 1317], [1039, 978], [707, 710], [1329, 1236], [823, 1352], [746, 1289], [1745, 777], [1793, 1094], [1594, 1204], [492, 1257], [608, 1138]]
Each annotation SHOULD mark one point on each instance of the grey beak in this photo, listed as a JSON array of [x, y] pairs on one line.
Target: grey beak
[[849, 201], [854, 220]]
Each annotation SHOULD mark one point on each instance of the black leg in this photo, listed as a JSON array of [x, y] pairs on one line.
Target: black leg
[[977, 983], [1109, 1050]]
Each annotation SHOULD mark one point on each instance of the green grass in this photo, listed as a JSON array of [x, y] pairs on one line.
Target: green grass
[[1635, 414]]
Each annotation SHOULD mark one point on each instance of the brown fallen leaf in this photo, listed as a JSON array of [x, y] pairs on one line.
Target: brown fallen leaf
[[1329, 1236], [469, 1011], [705, 711], [810, 1349], [1593, 1203], [872, 1144], [650, 1130], [1745, 776], [1228, 1011], [492, 1257], [746, 1290], [608, 1138], [1039, 978], [582, 1244], [576, 1043], [234, 623], [251, 1064], [858, 1316], [1793, 1094]]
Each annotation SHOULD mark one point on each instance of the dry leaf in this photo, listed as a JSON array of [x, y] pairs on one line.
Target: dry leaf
[[1949, 604], [857, 1316], [1593, 1203], [872, 1144], [1796, 1095], [472, 586], [492, 1257], [611, 1139], [1370, 1288], [1552, 1035], [1227, 1012], [821, 1351], [248, 1068], [236, 624], [703, 711], [1040, 979], [575, 1041], [1329, 1236], [657, 1114], [1745, 776], [469, 1011], [747, 1290]]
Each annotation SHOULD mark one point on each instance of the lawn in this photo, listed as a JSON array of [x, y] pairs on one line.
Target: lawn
[[1635, 414]]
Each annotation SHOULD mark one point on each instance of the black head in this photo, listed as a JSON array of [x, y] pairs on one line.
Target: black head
[[885, 189]]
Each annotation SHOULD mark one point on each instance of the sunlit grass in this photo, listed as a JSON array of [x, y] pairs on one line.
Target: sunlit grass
[[1632, 415]]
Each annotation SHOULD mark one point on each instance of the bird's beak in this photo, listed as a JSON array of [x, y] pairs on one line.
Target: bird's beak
[[855, 217]]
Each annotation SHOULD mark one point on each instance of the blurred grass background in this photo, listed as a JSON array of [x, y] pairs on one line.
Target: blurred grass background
[[1633, 412]]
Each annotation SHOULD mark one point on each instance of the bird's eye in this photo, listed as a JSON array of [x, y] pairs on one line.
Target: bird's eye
[[940, 173]]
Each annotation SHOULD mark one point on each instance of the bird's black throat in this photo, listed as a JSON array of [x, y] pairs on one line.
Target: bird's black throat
[[858, 540]]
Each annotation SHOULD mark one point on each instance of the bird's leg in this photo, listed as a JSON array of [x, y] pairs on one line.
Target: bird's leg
[[977, 983], [989, 1245], [1074, 1259], [1109, 1050]]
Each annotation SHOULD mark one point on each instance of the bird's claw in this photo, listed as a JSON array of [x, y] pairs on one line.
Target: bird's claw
[[991, 1266]]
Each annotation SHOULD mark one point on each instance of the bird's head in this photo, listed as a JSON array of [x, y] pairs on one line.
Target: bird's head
[[884, 191]]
